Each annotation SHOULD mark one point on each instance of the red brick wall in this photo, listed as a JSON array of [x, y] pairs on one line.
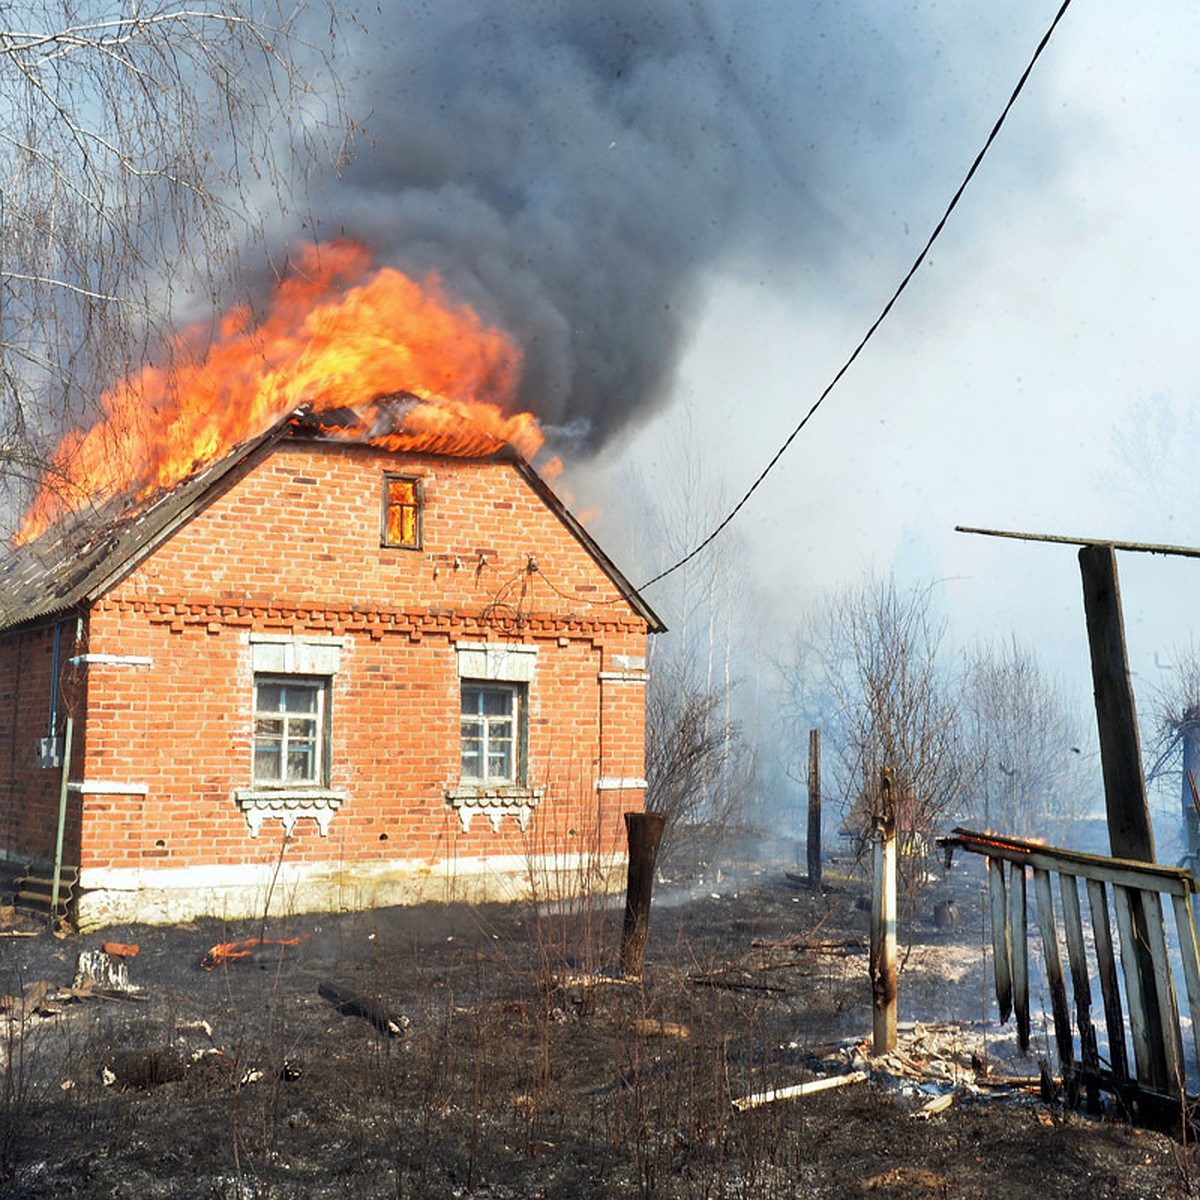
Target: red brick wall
[[293, 548], [29, 793]]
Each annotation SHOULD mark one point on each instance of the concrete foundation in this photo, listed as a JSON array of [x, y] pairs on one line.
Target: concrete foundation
[[170, 896]]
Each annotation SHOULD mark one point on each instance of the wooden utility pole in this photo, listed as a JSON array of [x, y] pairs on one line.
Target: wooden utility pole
[[1129, 832], [644, 831], [883, 921], [814, 808]]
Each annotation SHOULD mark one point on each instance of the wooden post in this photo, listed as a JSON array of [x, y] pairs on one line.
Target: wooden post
[[644, 831], [814, 808], [1129, 832], [883, 923]]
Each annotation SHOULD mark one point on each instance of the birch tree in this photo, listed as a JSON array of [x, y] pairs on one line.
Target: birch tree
[[1024, 742], [868, 669], [141, 146]]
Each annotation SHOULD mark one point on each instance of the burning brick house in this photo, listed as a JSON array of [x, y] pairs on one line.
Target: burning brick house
[[321, 672]]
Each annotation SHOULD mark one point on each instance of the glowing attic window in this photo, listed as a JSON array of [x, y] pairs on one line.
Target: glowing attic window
[[402, 511]]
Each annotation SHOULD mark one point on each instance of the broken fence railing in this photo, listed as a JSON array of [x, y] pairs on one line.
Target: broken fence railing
[[1130, 891]]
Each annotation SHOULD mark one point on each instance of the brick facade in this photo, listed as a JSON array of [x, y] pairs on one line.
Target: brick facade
[[282, 573]]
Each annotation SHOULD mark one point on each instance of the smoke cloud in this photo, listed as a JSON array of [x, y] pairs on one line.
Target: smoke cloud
[[576, 170]]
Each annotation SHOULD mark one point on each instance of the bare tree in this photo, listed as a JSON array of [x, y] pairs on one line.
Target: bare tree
[[868, 671], [700, 763], [141, 146], [1024, 743], [698, 768]]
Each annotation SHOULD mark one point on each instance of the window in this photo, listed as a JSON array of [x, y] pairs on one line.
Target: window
[[492, 733], [289, 732], [402, 511]]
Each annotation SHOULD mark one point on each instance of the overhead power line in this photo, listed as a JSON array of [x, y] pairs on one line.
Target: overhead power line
[[887, 308]]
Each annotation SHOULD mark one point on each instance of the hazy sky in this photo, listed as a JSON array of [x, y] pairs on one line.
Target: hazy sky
[[1040, 373]]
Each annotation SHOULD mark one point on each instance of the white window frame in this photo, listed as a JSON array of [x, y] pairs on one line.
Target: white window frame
[[514, 717], [320, 766]]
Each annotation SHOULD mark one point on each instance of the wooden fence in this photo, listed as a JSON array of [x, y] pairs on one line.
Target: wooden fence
[[1132, 892]]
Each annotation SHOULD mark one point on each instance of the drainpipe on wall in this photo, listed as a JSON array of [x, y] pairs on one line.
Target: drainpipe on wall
[[62, 821]]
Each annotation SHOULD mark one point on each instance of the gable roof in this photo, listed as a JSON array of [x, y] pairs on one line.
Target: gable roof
[[76, 562]]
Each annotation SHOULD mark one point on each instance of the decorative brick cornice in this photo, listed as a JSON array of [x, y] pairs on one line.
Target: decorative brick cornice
[[179, 612]]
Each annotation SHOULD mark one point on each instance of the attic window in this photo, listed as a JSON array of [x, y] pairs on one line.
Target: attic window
[[402, 511]]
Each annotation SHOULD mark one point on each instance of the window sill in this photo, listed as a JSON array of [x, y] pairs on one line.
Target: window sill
[[495, 802], [288, 805]]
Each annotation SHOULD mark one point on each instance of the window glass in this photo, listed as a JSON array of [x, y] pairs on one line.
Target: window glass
[[490, 728], [288, 731], [402, 508]]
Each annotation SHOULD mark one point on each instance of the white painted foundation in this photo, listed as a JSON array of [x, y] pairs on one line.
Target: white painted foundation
[[169, 895]]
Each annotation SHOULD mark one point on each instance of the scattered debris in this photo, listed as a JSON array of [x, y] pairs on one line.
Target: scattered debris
[[734, 985], [936, 1105], [908, 1181], [99, 973], [355, 1004], [648, 1027], [142, 1067], [120, 949], [758, 1099]]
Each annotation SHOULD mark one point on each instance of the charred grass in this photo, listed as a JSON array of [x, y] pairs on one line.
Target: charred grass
[[526, 1067]]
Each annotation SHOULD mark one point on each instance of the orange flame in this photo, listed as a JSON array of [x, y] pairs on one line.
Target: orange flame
[[228, 952], [337, 335]]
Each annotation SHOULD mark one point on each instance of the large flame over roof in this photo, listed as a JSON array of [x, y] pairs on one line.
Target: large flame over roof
[[337, 337]]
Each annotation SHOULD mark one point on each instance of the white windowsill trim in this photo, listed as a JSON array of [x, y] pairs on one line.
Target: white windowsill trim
[[288, 805], [112, 660], [494, 803], [104, 787]]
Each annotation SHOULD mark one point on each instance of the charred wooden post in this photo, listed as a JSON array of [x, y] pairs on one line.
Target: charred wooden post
[[644, 831], [814, 808], [883, 922]]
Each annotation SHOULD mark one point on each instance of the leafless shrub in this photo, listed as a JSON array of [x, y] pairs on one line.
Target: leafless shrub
[[698, 768], [142, 147]]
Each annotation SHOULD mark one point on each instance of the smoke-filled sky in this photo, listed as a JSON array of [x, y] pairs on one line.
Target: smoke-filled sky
[[689, 212]]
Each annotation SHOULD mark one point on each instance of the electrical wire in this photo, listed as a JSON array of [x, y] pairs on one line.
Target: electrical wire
[[887, 308]]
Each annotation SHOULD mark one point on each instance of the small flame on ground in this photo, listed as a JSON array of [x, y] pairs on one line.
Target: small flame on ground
[[229, 952], [338, 334]]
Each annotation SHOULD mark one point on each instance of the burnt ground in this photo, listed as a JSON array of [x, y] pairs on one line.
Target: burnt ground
[[524, 1068]]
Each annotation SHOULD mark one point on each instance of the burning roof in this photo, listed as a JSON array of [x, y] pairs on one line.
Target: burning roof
[[338, 337], [78, 559]]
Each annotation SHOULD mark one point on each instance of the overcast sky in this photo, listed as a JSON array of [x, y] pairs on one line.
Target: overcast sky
[[1040, 373]]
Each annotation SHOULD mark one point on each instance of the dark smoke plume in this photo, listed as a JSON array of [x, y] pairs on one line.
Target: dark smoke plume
[[575, 170]]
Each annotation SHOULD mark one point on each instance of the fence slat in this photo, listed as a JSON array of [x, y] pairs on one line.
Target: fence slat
[[1054, 973], [1168, 1010], [1109, 988], [1185, 926], [1139, 1029], [1018, 941], [1077, 959], [1001, 957]]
